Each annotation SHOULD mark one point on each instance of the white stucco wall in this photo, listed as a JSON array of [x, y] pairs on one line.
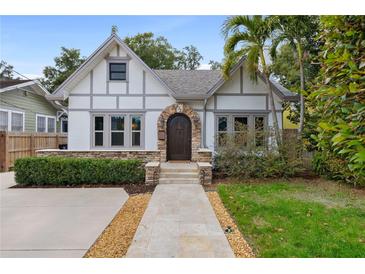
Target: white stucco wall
[[79, 130], [143, 92]]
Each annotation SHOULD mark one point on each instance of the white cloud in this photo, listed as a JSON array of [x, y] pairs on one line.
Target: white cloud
[[204, 66], [30, 76]]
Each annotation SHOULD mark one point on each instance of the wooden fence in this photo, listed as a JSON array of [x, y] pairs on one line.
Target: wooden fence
[[14, 145]]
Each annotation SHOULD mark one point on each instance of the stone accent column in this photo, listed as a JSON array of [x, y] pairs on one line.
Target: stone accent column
[[205, 173], [205, 155], [152, 173]]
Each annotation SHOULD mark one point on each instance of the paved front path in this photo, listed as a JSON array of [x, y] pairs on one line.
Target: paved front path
[[179, 222], [58, 222]]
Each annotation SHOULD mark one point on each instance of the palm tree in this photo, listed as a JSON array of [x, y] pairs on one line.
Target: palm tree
[[248, 36], [297, 31]]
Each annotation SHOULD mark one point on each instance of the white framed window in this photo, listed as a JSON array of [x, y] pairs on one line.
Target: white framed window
[[136, 129], [4, 120], [98, 131], [117, 134], [117, 130], [12, 120], [64, 125], [245, 128], [45, 123]]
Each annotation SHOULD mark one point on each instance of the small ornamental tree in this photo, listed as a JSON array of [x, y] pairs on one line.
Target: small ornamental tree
[[338, 99]]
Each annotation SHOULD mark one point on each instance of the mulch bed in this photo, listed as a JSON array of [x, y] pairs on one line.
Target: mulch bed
[[117, 237], [129, 188], [239, 245]]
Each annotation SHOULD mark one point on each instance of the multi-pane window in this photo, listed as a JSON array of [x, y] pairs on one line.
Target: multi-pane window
[[136, 130], [16, 121], [98, 131], [51, 124], [41, 124], [222, 129], [117, 71], [3, 120], [117, 130], [240, 127], [244, 129], [259, 131]]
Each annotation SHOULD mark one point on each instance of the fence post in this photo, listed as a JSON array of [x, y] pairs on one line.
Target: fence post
[[57, 141], [32, 145], [4, 159]]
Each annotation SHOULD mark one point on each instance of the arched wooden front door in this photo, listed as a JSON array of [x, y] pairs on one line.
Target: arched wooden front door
[[179, 137]]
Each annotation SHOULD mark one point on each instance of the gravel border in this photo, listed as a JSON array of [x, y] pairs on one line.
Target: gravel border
[[115, 240], [238, 244]]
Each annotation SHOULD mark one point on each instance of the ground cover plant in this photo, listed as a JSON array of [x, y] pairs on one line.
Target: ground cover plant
[[298, 219]]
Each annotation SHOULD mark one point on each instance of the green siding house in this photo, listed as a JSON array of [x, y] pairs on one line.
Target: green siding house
[[24, 108]]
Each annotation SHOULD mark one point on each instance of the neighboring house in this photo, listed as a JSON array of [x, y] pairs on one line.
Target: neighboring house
[[24, 108], [116, 102]]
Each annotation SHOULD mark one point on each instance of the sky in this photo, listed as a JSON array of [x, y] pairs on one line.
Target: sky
[[30, 43]]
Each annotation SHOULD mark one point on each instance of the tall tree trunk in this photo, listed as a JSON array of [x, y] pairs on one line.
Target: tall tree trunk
[[272, 102], [302, 88]]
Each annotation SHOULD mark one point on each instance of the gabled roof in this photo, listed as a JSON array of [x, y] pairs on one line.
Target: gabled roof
[[181, 84], [61, 92], [30, 86], [282, 92], [190, 83], [4, 83]]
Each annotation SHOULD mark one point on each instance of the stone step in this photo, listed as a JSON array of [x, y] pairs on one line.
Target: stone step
[[191, 175], [178, 181], [179, 167]]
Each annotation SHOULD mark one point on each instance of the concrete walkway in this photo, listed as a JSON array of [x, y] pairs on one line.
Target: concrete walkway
[[58, 222], [179, 222]]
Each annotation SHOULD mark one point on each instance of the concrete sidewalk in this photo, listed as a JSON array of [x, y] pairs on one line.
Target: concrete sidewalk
[[179, 222], [58, 222]]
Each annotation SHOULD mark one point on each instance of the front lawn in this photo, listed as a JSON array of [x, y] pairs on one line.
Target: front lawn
[[298, 219]]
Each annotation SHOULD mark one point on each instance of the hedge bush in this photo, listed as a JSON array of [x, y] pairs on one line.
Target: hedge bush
[[77, 171]]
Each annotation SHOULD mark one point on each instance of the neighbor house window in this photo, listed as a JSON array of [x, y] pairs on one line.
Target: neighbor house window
[[118, 71], [259, 131], [3, 120], [64, 126], [16, 121], [136, 130], [98, 131], [117, 130], [51, 124], [41, 124], [222, 129], [45, 123]]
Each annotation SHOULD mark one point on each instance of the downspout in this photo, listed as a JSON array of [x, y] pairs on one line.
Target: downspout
[[204, 123]]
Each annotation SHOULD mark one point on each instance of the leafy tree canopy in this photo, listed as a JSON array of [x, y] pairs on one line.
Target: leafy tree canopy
[[189, 58], [338, 97], [6, 71], [65, 64], [215, 65], [157, 52]]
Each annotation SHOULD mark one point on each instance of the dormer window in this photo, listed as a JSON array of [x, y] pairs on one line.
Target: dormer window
[[118, 71]]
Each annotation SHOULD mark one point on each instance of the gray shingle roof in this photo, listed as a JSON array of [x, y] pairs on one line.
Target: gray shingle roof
[[189, 82]]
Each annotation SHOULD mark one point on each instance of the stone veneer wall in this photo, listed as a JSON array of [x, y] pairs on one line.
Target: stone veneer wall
[[205, 155], [143, 155], [195, 127]]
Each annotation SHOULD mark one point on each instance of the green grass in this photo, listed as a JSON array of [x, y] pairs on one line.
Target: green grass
[[298, 219]]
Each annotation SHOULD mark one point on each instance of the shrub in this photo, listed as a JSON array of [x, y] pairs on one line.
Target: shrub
[[76, 171], [335, 168], [246, 160]]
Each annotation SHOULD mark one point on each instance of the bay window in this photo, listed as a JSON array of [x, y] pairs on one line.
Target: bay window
[[117, 130]]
